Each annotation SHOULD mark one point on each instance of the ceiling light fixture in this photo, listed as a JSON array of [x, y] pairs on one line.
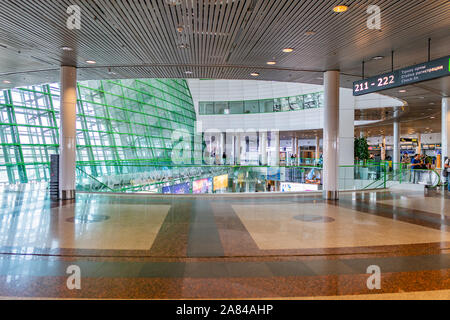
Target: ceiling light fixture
[[254, 74], [271, 63], [6, 82], [66, 49], [288, 50], [173, 2], [340, 8], [310, 33], [188, 72], [402, 91], [91, 61], [378, 58]]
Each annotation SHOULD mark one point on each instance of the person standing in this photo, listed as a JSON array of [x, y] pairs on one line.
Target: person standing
[[415, 165], [447, 172]]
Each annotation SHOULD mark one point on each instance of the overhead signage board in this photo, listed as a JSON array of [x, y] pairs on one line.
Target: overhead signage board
[[422, 72], [408, 140]]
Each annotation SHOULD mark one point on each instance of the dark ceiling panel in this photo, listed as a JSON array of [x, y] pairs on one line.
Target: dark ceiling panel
[[225, 39]]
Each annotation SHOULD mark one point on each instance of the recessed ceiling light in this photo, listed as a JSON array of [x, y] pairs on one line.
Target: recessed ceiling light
[[183, 46], [6, 81], [402, 91], [271, 62], [310, 33], [432, 103], [173, 2], [254, 74], [378, 58], [432, 117], [288, 50], [188, 72], [340, 8], [180, 29], [66, 49], [91, 61]]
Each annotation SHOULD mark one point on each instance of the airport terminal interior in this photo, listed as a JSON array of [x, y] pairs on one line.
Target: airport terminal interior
[[224, 149]]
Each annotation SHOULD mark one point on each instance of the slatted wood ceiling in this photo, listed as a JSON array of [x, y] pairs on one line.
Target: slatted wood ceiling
[[224, 39]]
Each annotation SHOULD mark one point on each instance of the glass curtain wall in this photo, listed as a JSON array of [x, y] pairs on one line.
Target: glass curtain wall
[[117, 121], [300, 102]]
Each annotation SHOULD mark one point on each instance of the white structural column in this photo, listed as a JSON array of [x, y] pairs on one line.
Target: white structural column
[[67, 133], [276, 147], [383, 148], [396, 142], [445, 129], [222, 148], [346, 145], [293, 151], [330, 135], [238, 147], [317, 147], [419, 144], [263, 147]]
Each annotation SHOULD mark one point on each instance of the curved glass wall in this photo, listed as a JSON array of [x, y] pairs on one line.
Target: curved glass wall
[[117, 121], [300, 102]]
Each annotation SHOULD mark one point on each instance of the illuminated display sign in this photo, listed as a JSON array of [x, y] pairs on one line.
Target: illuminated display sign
[[414, 140], [202, 186], [220, 182], [183, 188], [402, 77], [296, 187]]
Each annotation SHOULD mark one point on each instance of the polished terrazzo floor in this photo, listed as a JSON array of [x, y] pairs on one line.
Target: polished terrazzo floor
[[296, 247]]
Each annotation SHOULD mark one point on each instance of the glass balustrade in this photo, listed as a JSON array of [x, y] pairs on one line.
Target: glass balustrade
[[192, 179]]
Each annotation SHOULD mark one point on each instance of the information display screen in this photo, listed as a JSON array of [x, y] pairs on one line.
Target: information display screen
[[202, 186], [402, 77]]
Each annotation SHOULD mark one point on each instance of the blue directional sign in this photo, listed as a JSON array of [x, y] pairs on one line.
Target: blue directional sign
[[422, 72]]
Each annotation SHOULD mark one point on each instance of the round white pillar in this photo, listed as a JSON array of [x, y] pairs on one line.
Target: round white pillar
[[276, 137], [238, 148], [263, 147], [445, 131], [383, 149], [222, 148], [396, 142], [67, 133], [317, 148], [330, 135]]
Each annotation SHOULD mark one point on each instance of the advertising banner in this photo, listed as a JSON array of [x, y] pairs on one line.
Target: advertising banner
[[203, 186], [220, 182], [297, 187], [182, 188]]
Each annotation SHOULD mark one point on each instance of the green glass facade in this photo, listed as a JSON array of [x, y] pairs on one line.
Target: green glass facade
[[118, 122]]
